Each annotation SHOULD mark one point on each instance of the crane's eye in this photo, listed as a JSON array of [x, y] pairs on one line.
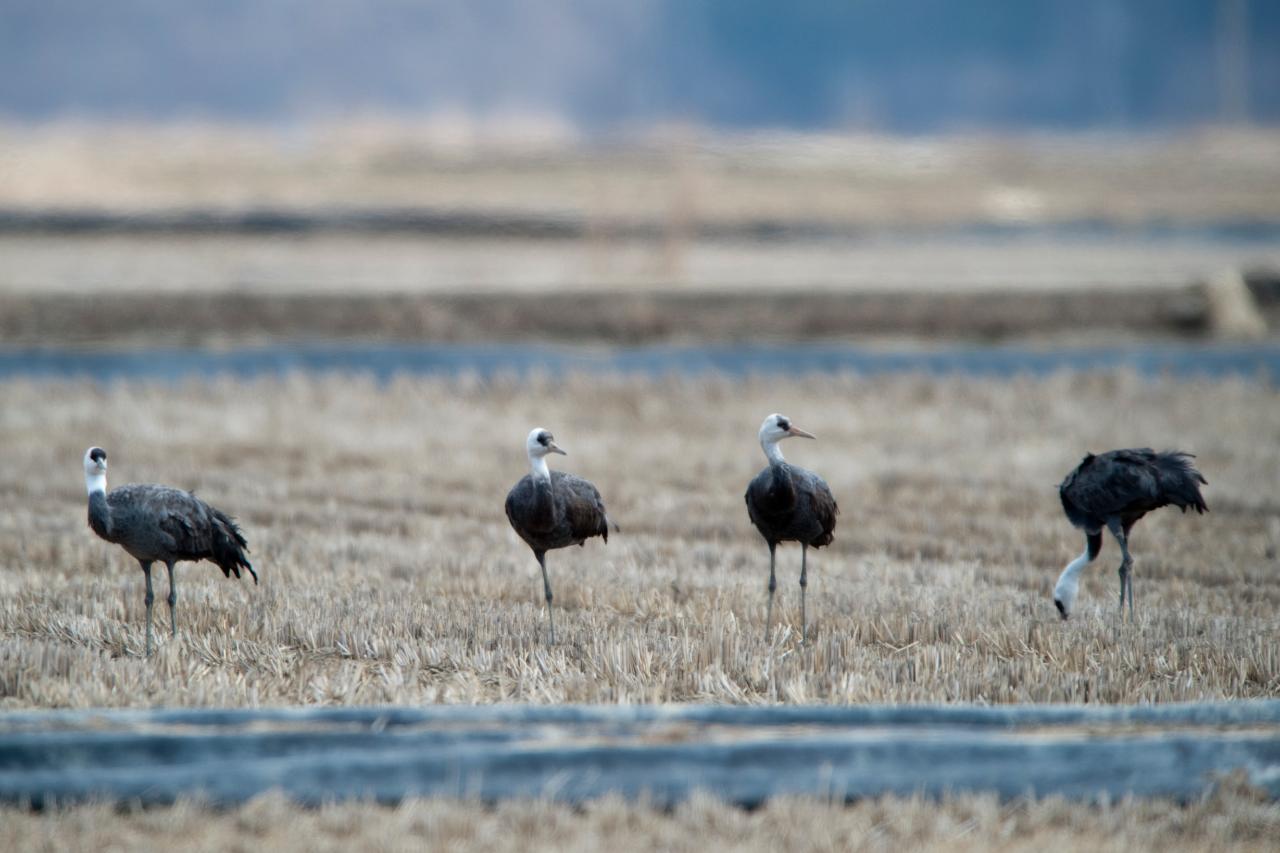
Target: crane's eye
[[544, 438], [784, 424]]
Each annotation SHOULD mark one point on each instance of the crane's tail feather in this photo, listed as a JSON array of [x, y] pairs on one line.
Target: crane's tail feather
[[605, 523], [230, 547], [1180, 481]]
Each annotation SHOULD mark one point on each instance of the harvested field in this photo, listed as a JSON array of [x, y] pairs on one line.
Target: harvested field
[[1233, 818], [390, 574], [374, 511]]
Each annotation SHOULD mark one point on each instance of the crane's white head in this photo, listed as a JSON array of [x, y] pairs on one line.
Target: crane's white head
[[775, 428], [542, 443], [1068, 585], [95, 469]]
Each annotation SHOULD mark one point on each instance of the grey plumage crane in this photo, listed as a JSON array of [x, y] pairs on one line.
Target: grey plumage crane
[[161, 524], [552, 509], [786, 503], [1114, 490]]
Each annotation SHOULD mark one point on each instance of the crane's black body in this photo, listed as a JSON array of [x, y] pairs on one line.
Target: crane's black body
[[555, 512], [787, 503], [790, 504], [1116, 489], [161, 524]]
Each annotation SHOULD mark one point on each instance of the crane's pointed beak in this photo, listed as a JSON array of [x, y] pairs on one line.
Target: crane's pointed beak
[[799, 433], [555, 448]]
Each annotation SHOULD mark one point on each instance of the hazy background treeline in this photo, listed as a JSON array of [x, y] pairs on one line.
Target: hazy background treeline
[[886, 65]]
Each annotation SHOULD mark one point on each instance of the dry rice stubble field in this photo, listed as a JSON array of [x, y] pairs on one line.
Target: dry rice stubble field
[[389, 573], [1231, 818]]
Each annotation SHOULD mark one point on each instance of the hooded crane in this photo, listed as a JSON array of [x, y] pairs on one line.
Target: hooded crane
[[789, 504], [157, 523], [1114, 490], [552, 509]]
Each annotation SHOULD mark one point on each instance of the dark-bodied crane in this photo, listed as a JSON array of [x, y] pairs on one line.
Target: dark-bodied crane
[[1114, 490], [161, 524], [552, 509], [786, 503]]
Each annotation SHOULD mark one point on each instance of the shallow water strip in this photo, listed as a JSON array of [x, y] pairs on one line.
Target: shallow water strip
[[662, 754], [1260, 361]]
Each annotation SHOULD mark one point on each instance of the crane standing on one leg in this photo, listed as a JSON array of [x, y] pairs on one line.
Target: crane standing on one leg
[[552, 509]]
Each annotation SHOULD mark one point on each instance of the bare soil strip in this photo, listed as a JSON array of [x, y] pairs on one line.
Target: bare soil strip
[[619, 316]]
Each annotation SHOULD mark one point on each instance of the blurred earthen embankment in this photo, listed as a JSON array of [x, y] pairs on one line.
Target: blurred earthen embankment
[[224, 235]]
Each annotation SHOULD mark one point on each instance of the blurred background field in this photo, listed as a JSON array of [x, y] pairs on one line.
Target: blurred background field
[[1079, 171], [672, 206], [717, 179], [193, 234]]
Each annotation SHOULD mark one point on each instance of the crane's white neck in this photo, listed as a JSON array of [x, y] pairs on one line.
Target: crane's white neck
[[95, 482], [1069, 581], [538, 466], [772, 451]]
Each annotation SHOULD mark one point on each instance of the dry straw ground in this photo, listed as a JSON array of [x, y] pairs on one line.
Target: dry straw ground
[[1231, 819], [389, 573]]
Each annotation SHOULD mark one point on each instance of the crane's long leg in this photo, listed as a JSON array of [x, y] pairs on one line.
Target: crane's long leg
[[773, 584], [1131, 597], [1130, 580], [546, 586], [150, 598], [804, 584], [173, 603], [1126, 582]]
